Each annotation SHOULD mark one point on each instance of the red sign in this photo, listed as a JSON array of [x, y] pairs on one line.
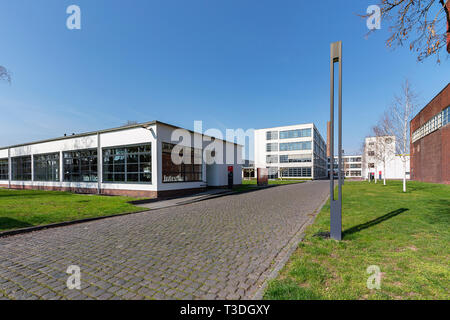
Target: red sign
[[230, 168]]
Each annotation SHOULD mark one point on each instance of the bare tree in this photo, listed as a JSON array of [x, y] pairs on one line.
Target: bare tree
[[282, 171], [5, 75], [400, 114], [423, 24], [364, 162], [384, 149]]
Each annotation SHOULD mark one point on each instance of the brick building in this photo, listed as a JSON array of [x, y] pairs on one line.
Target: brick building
[[430, 140]]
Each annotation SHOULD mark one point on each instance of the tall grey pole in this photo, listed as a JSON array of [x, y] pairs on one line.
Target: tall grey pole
[[9, 168], [99, 165], [336, 205]]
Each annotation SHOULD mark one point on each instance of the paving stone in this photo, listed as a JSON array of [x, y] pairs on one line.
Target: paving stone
[[219, 248]]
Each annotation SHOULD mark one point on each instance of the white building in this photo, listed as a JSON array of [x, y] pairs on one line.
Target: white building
[[351, 166], [296, 151], [134, 160], [378, 148]]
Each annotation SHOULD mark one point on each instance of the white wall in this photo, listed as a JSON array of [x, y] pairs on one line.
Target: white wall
[[155, 134], [394, 163]]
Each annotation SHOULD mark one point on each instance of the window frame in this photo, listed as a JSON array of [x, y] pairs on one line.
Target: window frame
[[58, 166], [125, 164], [80, 171]]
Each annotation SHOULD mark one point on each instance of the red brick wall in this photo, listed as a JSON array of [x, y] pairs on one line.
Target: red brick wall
[[430, 156]]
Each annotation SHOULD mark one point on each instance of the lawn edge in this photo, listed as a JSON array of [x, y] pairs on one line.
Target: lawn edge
[[289, 250], [9, 233]]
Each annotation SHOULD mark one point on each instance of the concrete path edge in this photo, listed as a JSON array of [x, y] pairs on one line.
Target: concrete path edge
[[287, 251]]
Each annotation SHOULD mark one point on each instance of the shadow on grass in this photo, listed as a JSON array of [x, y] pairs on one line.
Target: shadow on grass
[[9, 223], [373, 222]]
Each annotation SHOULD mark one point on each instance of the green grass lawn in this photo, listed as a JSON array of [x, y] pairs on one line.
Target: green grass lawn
[[26, 208], [406, 234]]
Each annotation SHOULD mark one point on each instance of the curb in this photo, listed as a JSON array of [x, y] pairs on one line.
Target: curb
[[62, 224], [291, 246]]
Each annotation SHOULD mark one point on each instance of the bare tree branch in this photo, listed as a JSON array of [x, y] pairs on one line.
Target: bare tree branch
[[425, 24]]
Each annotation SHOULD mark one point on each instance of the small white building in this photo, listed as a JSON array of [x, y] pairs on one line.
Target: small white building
[[296, 151], [134, 160], [378, 148]]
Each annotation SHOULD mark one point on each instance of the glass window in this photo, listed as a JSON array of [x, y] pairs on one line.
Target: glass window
[[80, 165], [183, 172], [299, 133], [131, 164], [271, 159], [296, 172], [291, 146], [285, 158], [271, 135], [21, 168], [46, 167], [270, 147], [4, 169]]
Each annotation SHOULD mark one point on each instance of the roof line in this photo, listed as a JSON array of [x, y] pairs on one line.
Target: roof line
[[131, 126]]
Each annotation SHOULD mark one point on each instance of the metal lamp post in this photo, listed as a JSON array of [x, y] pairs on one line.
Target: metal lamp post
[[336, 205]]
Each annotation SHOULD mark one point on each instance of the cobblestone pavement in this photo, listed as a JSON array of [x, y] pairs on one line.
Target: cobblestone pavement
[[221, 248]]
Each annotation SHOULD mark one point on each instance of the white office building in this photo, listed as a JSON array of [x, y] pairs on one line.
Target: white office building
[[380, 159], [134, 160], [351, 166], [296, 151]]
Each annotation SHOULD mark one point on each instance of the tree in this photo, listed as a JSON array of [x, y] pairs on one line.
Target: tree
[[5, 75], [282, 171], [424, 24], [400, 114], [384, 149]]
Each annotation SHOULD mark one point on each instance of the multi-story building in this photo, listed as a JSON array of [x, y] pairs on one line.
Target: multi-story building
[[380, 159], [296, 151], [430, 140], [136, 160], [351, 166]]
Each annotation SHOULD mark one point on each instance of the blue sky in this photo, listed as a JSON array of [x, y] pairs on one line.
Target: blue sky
[[232, 64]]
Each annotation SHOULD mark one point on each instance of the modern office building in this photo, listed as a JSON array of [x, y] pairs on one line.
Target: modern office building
[[375, 150], [430, 140], [143, 160], [351, 166], [296, 151]]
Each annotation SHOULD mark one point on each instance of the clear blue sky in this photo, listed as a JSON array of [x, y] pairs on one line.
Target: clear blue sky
[[233, 64]]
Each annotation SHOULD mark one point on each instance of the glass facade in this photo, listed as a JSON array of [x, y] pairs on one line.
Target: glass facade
[[46, 167], [271, 147], [298, 133], [182, 172], [21, 168], [439, 120], [291, 146], [289, 158], [4, 169], [271, 159], [296, 172], [272, 135], [130, 164], [80, 165]]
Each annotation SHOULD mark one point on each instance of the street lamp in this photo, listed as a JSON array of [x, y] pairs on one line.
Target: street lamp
[[336, 205]]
